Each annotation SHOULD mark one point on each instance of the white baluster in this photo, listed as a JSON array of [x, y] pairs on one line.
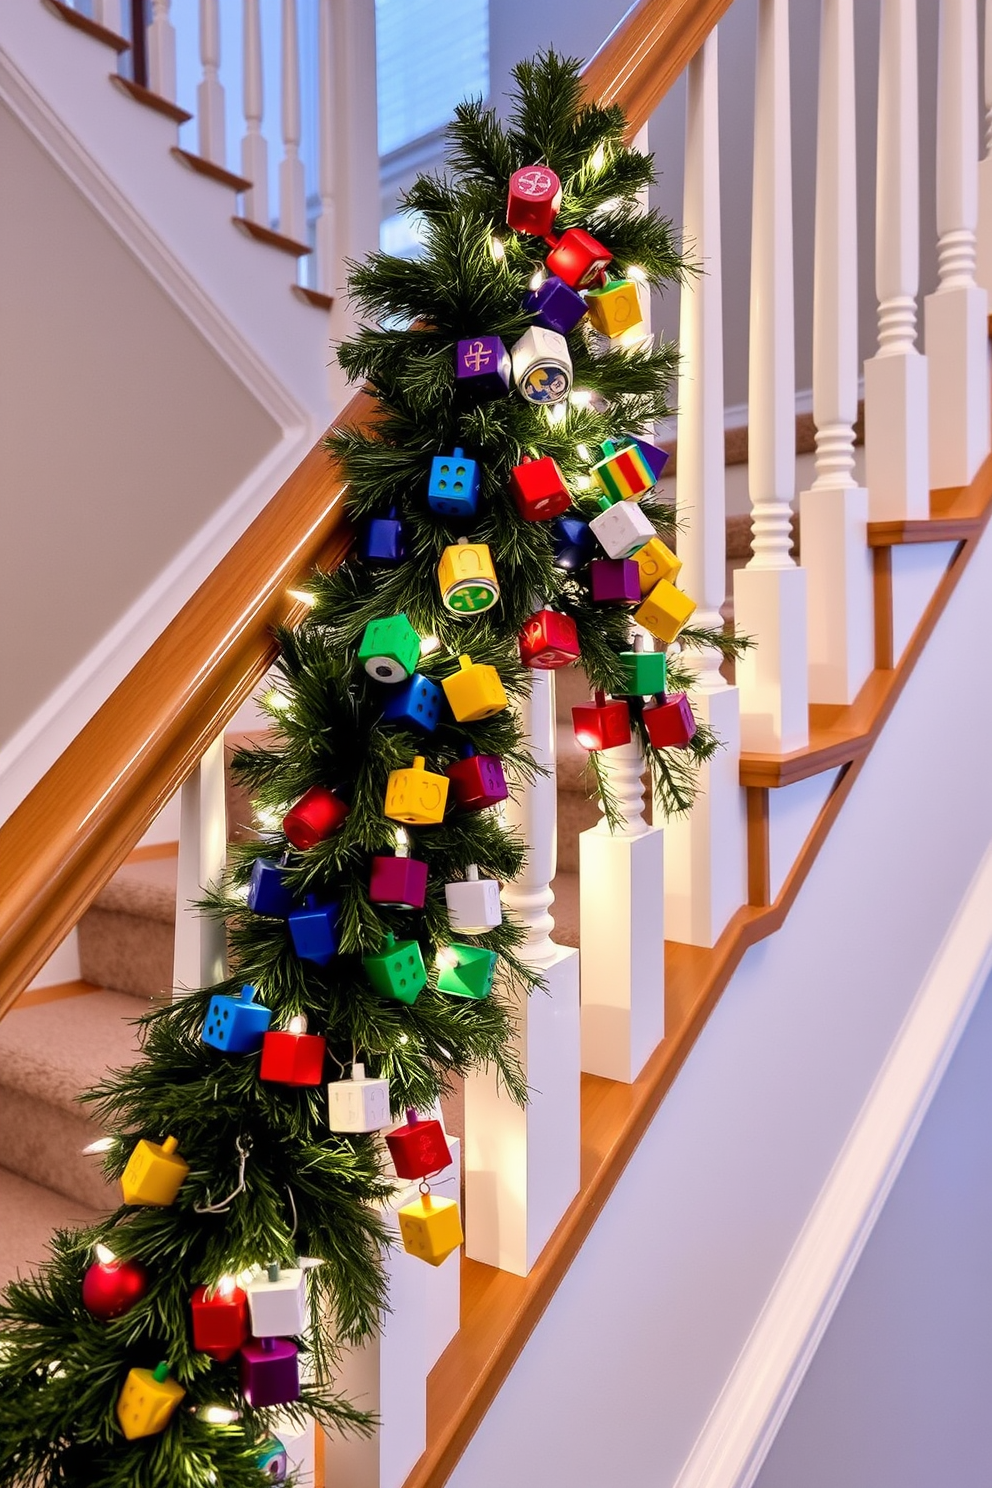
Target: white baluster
[[292, 190], [896, 435], [770, 593], [957, 313], [983, 267], [326, 227], [522, 1166], [705, 852], [211, 133], [201, 945], [254, 149], [162, 52], [834, 513], [108, 13]]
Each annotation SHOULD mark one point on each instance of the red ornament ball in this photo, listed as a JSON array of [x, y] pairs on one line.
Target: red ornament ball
[[112, 1288]]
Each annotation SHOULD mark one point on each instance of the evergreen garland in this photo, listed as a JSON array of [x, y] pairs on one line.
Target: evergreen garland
[[306, 1191]]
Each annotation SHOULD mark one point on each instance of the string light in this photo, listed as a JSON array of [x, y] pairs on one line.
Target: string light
[[598, 158], [102, 1144], [580, 398], [302, 597], [635, 272], [429, 644], [555, 413], [447, 957], [582, 450], [217, 1415], [497, 249], [537, 279], [584, 482], [277, 701], [104, 1254]]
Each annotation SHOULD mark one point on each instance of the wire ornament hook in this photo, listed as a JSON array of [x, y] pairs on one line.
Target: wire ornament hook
[[244, 1147]]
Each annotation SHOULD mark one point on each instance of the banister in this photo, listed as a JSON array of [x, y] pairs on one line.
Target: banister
[[80, 821]]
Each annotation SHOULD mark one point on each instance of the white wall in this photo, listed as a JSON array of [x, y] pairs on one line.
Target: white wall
[[898, 1394]]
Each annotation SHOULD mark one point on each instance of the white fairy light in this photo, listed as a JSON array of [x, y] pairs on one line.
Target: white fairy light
[[582, 450], [497, 249], [102, 1144], [429, 644], [104, 1254], [302, 597], [598, 158]]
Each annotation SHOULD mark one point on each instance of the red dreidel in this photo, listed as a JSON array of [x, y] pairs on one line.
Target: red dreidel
[[539, 489], [577, 258], [315, 817], [220, 1319], [669, 722], [533, 201], [477, 781], [549, 640], [292, 1056], [601, 724], [418, 1148]]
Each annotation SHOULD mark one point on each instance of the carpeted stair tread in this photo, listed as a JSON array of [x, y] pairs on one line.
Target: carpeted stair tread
[[127, 936], [51, 1052], [30, 1214], [145, 889]]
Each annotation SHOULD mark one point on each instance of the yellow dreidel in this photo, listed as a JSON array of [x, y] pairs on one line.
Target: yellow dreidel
[[475, 691], [430, 1228], [148, 1401], [665, 611], [615, 308], [416, 796], [467, 578], [154, 1174], [656, 561]]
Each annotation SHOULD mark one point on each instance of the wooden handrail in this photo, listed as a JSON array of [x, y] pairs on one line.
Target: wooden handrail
[[71, 833]]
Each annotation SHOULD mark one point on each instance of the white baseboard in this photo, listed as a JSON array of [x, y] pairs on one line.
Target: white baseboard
[[756, 1397]]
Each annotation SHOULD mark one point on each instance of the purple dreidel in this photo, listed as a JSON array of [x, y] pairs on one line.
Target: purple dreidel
[[270, 1372], [615, 581], [482, 366]]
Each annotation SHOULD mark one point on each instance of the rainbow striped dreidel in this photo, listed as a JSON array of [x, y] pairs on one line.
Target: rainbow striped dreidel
[[623, 473]]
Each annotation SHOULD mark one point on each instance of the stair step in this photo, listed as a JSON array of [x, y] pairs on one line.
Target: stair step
[[127, 936], [150, 100], [30, 1214], [91, 28], [315, 297], [210, 169], [273, 239], [49, 1054]]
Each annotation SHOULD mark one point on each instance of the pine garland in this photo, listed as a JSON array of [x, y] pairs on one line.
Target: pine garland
[[306, 1191]]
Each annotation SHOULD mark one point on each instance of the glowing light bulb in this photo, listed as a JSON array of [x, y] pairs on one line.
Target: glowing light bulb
[[104, 1254], [302, 597], [497, 249], [402, 840], [429, 644], [584, 482], [226, 1285], [277, 701], [582, 450], [610, 205], [555, 413], [102, 1144], [447, 957], [298, 1024], [537, 279], [635, 272], [598, 158], [269, 819], [580, 397], [217, 1415]]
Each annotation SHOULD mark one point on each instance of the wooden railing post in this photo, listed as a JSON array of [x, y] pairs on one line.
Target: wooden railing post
[[957, 312], [896, 435], [983, 265], [770, 593], [705, 852], [254, 149], [522, 1165], [108, 13], [326, 228], [211, 130], [292, 190], [201, 948], [834, 513], [162, 52]]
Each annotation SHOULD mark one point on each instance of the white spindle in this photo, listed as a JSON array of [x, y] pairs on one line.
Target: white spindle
[[201, 947], [292, 190], [983, 267], [162, 52], [210, 92], [834, 513], [326, 227], [522, 1166], [108, 13], [956, 314], [770, 593], [254, 149], [896, 443], [705, 854]]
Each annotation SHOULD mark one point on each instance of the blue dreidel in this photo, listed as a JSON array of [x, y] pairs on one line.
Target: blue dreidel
[[416, 703], [238, 1024], [316, 930], [453, 488]]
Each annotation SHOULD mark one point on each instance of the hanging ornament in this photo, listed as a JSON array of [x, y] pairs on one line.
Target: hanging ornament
[[430, 1228], [534, 199], [549, 640], [453, 488], [111, 1287], [670, 723], [292, 1056], [474, 691], [316, 930], [359, 1104], [615, 307], [482, 366], [577, 258], [399, 881], [574, 543], [277, 1302], [467, 578], [236, 1024], [601, 724], [473, 904], [382, 539], [665, 611], [220, 1319], [555, 305], [314, 818], [273, 1461], [270, 1372], [656, 459], [416, 796], [416, 703], [645, 672], [539, 489], [623, 474], [614, 581], [477, 781], [154, 1174], [418, 1148], [655, 561], [621, 528], [389, 649], [542, 367], [398, 971], [267, 891], [148, 1402], [465, 971]]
